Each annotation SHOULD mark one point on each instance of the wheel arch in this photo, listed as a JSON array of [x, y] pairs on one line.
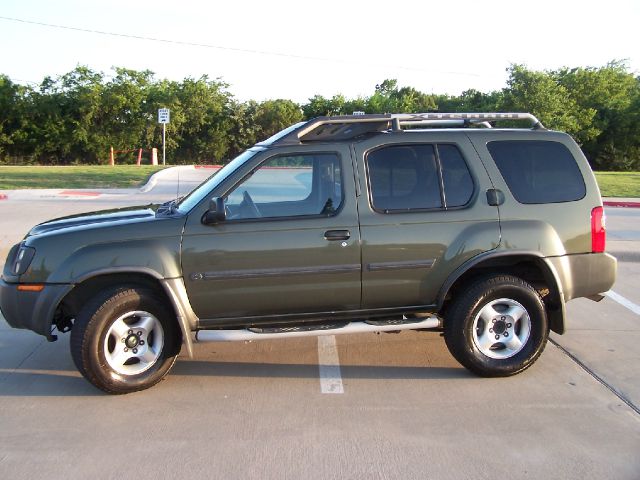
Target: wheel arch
[[92, 283], [529, 265]]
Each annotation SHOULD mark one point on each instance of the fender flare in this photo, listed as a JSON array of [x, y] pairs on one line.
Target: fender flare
[[556, 318], [174, 289]]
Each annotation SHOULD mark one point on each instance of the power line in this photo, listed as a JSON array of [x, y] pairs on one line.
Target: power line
[[224, 48], [163, 40], [22, 80]]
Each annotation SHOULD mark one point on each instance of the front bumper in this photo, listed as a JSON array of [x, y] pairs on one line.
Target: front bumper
[[31, 310]]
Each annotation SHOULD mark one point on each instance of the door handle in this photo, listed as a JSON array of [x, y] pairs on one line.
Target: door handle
[[337, 235]]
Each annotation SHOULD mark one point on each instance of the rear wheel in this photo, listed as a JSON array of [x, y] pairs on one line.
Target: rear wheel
[[497, 327], [125, 340]]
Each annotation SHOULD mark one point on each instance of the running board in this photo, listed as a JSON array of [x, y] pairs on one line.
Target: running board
[[353, 327]]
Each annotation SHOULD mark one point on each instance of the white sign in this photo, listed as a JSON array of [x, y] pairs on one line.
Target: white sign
[[163, 115]]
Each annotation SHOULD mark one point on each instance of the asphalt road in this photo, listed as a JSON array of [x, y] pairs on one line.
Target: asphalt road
[[257, 410]]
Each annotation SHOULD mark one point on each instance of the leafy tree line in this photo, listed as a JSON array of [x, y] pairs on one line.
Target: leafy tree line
[[77, 117]]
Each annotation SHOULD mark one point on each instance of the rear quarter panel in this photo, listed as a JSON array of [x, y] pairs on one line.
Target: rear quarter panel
[[552, 229]]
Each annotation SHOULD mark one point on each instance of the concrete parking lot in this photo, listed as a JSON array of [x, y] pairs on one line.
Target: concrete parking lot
[[388, 406]]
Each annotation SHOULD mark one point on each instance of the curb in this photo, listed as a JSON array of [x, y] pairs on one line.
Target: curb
[[153, 179], [79, 193], [611, 203], [150, 184]]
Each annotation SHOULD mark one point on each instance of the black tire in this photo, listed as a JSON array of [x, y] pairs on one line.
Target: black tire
[[111, 364], [490, 342]]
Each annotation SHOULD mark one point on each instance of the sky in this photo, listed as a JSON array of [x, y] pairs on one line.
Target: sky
[[297, 49]]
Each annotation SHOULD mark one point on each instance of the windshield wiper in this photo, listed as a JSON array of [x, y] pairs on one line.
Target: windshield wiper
[[169, 207]]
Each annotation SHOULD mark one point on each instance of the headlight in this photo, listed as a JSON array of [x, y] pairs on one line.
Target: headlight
[[23, 260]]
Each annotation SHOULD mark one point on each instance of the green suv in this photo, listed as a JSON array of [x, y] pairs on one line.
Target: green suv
[[362, 223]]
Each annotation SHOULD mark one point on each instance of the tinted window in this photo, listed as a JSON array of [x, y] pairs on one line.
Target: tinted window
[[404, 177], [538, 171], [288, 186], [458, 185]]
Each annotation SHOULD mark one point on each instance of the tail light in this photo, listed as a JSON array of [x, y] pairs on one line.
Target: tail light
[[598, 230]]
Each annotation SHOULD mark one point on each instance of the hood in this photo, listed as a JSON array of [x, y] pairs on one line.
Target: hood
[[119, 215]]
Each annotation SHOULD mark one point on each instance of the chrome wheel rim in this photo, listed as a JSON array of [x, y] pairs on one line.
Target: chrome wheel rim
[[133, 343], [501, 328]]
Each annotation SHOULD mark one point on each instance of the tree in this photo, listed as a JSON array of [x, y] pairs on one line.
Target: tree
[[272, 116], [12, 98], [76, 117], [614, 94], [319, 106], [541, 94], [475, 101], [388, 98], [203, 112], [124, 112]]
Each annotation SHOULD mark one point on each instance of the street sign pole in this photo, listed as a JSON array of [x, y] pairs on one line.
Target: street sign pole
[[164, 125], [163, 118]]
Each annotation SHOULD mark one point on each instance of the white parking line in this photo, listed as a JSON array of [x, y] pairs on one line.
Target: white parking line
[[329, 363], [623, 301]]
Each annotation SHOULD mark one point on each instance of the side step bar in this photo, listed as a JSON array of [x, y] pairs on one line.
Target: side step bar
[[353, 327]]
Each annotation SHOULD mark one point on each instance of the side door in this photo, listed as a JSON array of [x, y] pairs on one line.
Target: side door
[[290, 243], [425, 213]]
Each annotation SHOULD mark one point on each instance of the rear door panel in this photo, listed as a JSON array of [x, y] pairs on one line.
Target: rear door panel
[[407, 256]]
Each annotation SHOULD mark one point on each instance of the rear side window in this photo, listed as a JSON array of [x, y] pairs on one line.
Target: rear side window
[[404, 177], [409, 177], [458, 186], [538, 171]]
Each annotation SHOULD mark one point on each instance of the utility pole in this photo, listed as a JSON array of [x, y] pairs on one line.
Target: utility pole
[[163, 118]]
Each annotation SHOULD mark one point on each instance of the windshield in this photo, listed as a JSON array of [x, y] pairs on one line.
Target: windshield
[[200, 192]]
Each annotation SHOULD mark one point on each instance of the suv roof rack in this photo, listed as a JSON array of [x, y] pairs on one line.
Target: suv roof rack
[[345, 127]]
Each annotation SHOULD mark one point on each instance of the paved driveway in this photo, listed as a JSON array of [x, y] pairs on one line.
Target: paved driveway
[[405, 409]]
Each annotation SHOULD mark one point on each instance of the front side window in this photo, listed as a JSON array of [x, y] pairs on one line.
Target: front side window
[[205, 188], [288, 186]]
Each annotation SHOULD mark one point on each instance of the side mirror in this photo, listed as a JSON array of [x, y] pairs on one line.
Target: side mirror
[[216, 212]]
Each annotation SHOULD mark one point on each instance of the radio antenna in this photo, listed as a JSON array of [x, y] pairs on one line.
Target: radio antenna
[[178, 186]]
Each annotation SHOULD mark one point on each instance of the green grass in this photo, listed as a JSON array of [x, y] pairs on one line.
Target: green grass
[[619, 184], [82, 176]]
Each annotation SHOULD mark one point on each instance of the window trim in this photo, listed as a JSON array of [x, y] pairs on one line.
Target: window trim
[[443, 195], [444, 207], [288, 217]]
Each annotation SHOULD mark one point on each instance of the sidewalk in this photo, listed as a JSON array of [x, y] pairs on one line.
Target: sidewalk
[[621, 202]]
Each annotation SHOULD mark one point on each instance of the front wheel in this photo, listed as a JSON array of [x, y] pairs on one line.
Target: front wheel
[[125, 340], [497, 327]]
